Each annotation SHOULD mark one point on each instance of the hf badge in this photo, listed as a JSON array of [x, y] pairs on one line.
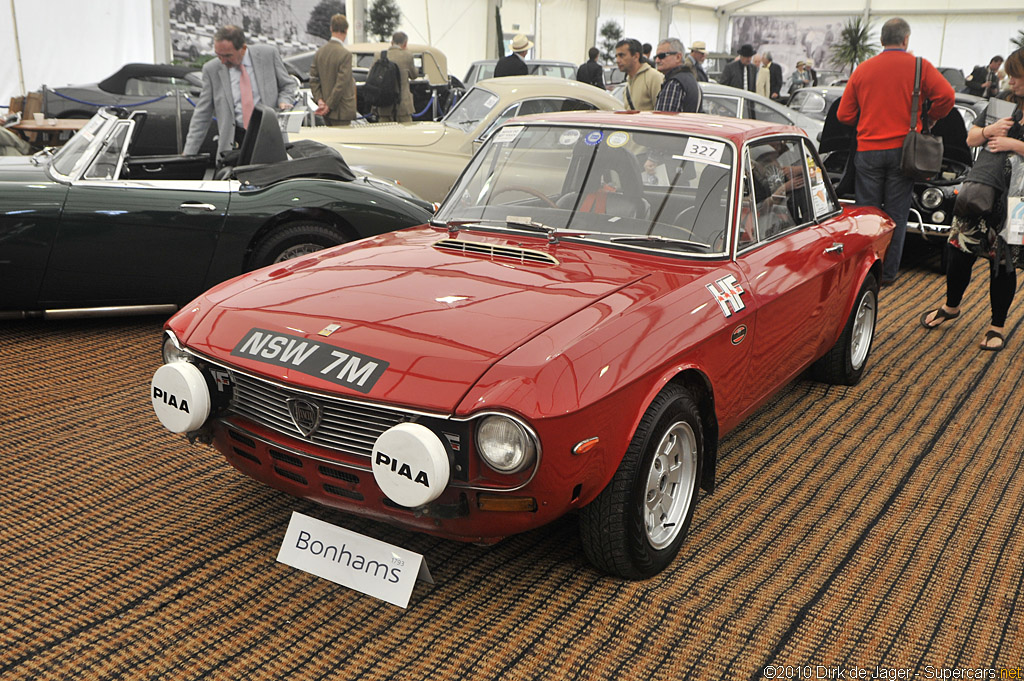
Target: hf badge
[[727, 292]]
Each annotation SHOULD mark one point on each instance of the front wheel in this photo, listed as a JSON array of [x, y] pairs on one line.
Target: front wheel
[[844, 363], [634, 528], [293, 240]]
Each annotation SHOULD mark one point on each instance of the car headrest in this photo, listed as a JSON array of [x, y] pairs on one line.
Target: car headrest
[[263, 142]]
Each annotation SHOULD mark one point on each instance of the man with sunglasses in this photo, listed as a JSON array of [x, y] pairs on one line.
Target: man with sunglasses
[[679, 90]]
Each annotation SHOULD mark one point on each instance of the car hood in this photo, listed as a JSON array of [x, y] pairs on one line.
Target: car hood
[[430, 317], [22, 169], [390, 134]]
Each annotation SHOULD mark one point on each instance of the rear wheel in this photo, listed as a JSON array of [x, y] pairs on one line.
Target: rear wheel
[[844, 363], [292, 241], [634, 528]]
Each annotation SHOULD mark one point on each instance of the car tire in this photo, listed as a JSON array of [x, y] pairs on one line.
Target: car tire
[[635, 526], [844, 363], [293, 240]]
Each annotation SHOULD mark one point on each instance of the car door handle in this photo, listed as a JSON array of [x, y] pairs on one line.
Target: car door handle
[[834, 248], [197, 207]]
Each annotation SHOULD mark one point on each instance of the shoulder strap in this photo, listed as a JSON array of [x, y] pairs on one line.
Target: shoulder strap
[[629, 100], [917, 94]]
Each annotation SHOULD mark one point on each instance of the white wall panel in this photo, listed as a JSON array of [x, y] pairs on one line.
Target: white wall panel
[[638, 19], [66, 42], [690, 24], [563, 31], [456, 27]]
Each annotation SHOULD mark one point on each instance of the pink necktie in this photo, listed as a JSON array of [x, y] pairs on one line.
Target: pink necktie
[[245, 89]]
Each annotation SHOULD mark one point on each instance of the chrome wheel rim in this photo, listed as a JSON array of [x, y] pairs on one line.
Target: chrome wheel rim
[[863, 330], [297, 250], [670, 485]]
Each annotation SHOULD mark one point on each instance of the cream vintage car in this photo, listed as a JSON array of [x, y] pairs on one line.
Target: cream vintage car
[[427, 157]]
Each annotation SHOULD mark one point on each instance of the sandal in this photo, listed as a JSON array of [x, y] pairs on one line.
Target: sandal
[[939, 313], [992, 335]]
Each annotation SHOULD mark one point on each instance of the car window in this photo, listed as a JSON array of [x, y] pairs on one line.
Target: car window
[[537, 106], [763, 112], [107, 163], [640, 189], [780, 193], [823, 201], [808, 102], [155, 86], [71, 154], [471, 109], [717, 105]]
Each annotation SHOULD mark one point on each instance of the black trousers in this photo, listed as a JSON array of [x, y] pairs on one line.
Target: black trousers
[[1002, 286]]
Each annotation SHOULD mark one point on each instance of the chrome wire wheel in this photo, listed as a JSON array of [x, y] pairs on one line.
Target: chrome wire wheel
[[296, 251], [671, 483], [863, 329]]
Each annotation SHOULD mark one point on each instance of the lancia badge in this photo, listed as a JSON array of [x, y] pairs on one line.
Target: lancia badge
[[305, 414]]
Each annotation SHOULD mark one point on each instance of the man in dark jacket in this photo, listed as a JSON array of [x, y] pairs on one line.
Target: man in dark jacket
[[740, 73], [984, 82], [590, 71], [515, 63], [698, 53], [679, 90]]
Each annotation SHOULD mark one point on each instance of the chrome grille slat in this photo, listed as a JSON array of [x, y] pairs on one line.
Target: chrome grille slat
[[347, 427], [517, 254]]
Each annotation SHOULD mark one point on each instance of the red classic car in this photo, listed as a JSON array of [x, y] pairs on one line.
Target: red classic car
[[600, 298]]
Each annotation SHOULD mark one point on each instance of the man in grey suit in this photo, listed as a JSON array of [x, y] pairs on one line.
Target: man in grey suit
[[233, 84]]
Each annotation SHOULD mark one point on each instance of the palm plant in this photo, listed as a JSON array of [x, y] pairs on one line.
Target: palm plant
[[1019, 40], [854, 44]]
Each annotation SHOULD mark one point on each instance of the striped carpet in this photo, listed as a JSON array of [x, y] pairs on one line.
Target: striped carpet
[[872, 526]]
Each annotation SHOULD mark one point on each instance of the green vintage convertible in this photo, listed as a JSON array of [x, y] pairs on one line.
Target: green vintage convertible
[[95, 230]]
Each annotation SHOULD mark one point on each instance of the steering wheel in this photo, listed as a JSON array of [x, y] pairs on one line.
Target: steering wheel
[[525, 190]]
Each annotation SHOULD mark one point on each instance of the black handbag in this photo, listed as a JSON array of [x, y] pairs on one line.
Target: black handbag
[[922, 152], [974, 199]]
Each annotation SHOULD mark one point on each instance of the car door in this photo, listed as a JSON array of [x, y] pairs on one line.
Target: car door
[[789, 260], [130, 242]]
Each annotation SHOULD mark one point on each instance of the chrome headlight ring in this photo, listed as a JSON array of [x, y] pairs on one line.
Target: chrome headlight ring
[[505, 444], [932, 198]]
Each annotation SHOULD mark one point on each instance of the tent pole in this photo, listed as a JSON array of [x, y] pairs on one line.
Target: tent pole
[[17, 50]]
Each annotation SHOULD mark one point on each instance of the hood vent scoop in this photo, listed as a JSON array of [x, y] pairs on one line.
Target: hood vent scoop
[[496, 252]]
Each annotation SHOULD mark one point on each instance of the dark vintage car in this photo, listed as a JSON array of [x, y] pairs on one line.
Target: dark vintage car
[[99, 229], [601, 297], [931, 209], [167, 93]]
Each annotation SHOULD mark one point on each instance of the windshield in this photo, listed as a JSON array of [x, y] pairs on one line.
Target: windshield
[[638, 188], [77, 147], [471, 109]]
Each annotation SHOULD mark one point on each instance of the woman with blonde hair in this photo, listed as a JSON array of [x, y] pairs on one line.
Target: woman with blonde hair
[[977, 233]]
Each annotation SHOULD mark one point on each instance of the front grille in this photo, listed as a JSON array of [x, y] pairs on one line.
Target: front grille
[[496, 251], [345, 426]]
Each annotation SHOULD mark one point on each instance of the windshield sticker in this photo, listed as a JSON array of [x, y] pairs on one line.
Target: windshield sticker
[[618, 139], [569, 137], [819, 199], [507, 134], [313, 358], [703, 150], [594, 138], [491, 101]]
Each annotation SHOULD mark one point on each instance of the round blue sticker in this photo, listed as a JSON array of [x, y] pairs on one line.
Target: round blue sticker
[[594, 138]]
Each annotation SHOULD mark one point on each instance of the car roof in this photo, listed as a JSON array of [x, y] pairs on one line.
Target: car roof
[[545, 86], [737, 130]]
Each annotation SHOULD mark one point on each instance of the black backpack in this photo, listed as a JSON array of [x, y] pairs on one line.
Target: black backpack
[[382, 83]]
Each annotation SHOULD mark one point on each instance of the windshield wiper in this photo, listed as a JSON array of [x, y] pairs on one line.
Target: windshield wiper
[[664, 240]]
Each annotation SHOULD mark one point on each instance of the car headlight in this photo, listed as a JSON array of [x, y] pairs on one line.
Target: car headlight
[[172, 351], [504, 444], [931, 198]]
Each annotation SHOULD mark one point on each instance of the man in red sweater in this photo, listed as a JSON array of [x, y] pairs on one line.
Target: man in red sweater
[[877, 101]]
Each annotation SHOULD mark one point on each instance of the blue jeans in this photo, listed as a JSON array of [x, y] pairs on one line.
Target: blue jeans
[[881, 183]]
